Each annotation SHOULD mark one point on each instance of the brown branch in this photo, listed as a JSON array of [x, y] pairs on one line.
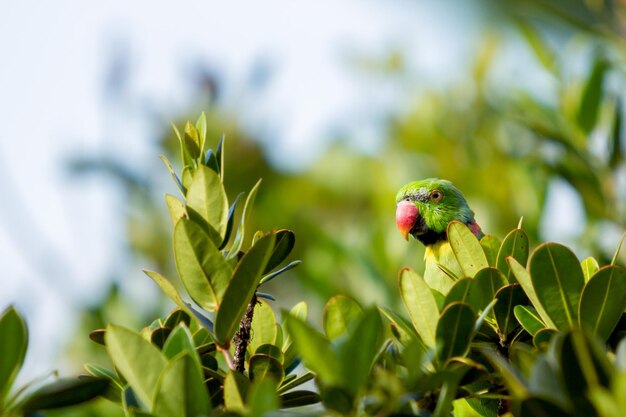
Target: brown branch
[[242, 337]]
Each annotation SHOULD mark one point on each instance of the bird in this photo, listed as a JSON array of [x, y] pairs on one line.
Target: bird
[[423, 210]]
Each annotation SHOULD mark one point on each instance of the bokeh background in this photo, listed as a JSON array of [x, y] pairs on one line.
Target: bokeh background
[[334, 104]]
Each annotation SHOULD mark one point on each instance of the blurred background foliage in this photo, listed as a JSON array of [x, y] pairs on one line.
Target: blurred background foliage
[[509, 146]]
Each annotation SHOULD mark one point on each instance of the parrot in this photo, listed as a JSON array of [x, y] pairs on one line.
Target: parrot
[[423, 210]]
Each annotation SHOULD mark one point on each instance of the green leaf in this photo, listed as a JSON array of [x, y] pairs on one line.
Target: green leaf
[[401, 329], [315, 351], [420, 304], [159, 335], [558, 280], [299, 399], [191, 141], [340, 313], [97, 336], [542, 337], [589, 266], [201, 267], [512, 379], [177, 180], [592, 96], [491, 245], [241, 288], [14, 337], [264, 326], [271, 350], [602, 301], [516, 245], [359, 350], [264, 366], [65, 392], [285, 241], [201, 129], [219, 155], [619, 248], [169, 290], [235, 391], [175, 317], [465, 291], [262, 398], [466, 248], [295, 382], [539, 407], [207, 198], [523, 278], [274, 274], [176, 208], [241, 230], [139, 361], [181, 391], [455, 330], [300, 311], [487, 282], [508, 297], [230, 222], [180, 341], [528, 318]]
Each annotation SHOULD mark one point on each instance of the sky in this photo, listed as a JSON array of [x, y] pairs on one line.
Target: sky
[[60, 234]]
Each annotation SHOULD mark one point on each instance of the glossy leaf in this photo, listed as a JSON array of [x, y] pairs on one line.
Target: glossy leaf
[[230, 223], [300, 311], [454, 330], [201, 267], [64, 392], [528, 318], [590, 267], [465, 291], [169, 290], [271, 350], [97, 336], [403, 330], [513, 380], [487, 282], [315, 350], [516, 245], [542, 337], [262, 398], [298, 399], [207, 198], [235, 391], [263, 366], [285, 241], [159, 335], [264, 326], [177, 180], [191, 141], [243, 222], [558, 281], [176, 317], [340, 313], [420, 304], [241, 288], [274, 274], [603, 300], [491, 246], [176, 208], [295, 382], [523, 278], [358, 351], [180, 341], [508, 297], [139, 361], [181, 390], [466, 248], [13, 345]]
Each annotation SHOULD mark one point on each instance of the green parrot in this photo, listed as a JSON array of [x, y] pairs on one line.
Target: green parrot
[[424, 209]]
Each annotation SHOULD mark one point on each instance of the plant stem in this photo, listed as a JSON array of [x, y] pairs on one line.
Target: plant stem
[[242, 337]]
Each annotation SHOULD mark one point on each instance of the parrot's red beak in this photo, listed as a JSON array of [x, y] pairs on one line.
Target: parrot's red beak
[[406, 216]]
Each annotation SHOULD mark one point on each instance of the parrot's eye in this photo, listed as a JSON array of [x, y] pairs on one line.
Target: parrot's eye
[[436, 196]]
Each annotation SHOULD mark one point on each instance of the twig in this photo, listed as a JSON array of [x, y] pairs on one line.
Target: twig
[[242, 337]]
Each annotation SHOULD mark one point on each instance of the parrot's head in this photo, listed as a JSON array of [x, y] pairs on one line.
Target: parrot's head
[[424, 209]]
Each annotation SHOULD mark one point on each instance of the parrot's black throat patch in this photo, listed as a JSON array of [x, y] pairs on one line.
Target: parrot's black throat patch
[[425, 235]]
